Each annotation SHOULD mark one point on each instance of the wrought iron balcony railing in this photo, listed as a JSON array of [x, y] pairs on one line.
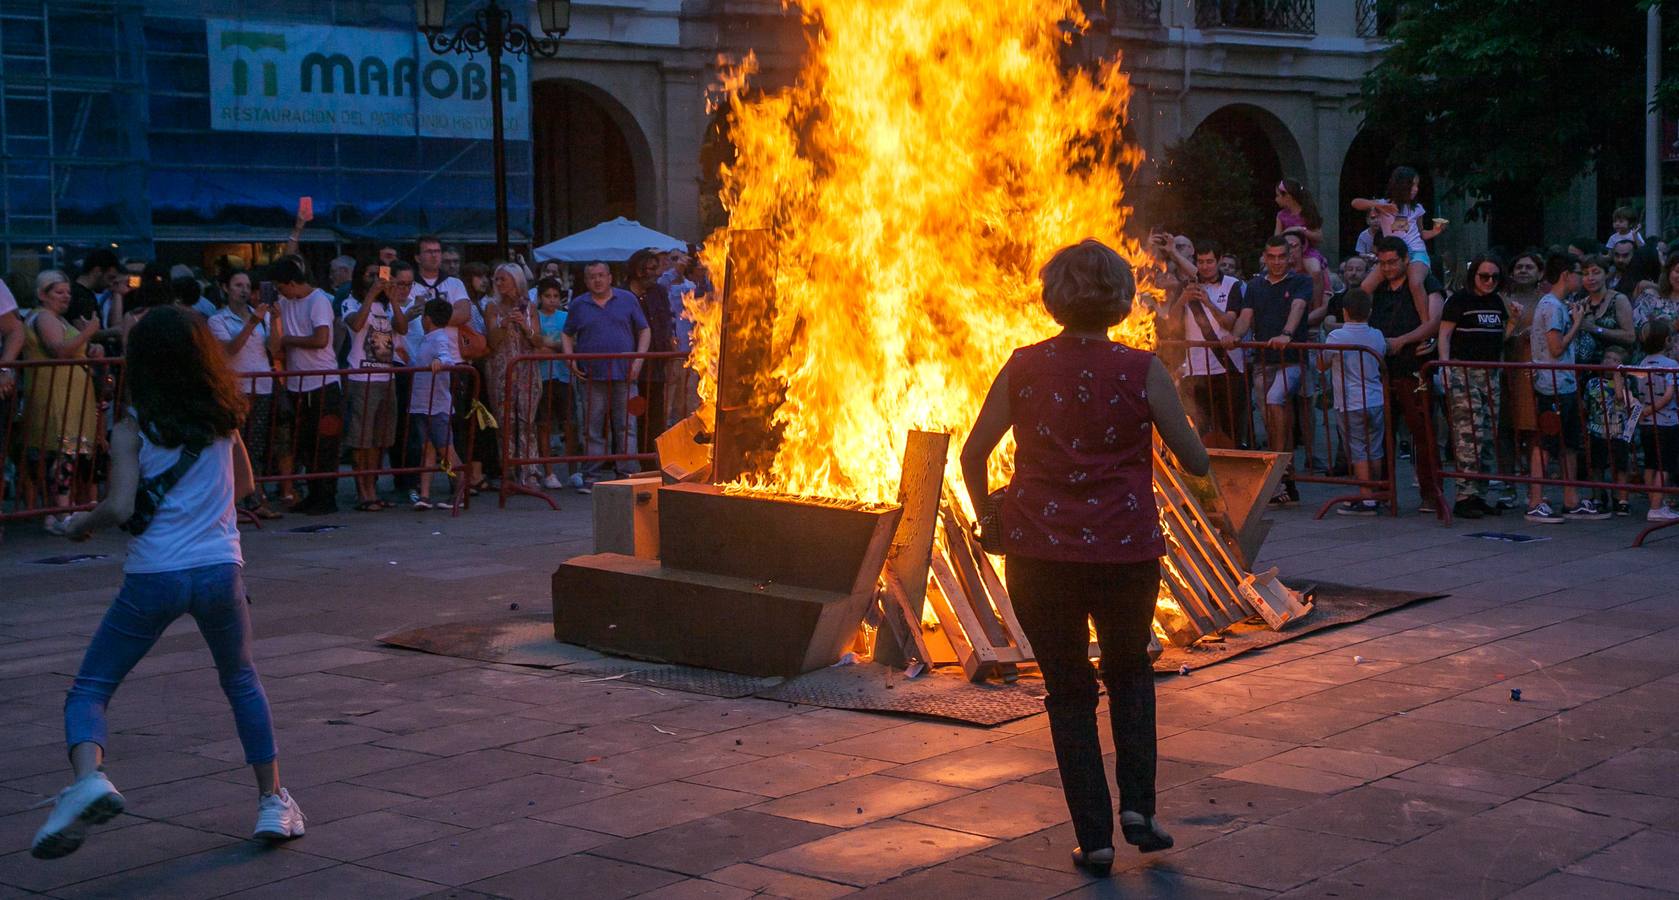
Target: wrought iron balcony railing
[[1375, 17], [1293, 16]]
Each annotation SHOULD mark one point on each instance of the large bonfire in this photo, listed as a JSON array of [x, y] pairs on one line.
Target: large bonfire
[[930, 157]]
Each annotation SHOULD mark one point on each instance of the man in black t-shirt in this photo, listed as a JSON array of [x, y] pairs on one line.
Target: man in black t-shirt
[[1274, 305], [1473, 328], [1410, 334], [99, 269]]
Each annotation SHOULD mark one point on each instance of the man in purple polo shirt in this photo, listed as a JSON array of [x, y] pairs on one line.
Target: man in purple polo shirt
[[606, 320]]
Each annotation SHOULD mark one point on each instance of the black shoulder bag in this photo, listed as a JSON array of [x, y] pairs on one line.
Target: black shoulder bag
[[149, 495]]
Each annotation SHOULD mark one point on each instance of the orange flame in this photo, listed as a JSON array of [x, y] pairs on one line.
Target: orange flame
[[928, 160]]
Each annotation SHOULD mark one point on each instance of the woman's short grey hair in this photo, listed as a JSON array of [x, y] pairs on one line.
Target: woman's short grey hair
[[48, 278], [517, 273], [1088, 285]]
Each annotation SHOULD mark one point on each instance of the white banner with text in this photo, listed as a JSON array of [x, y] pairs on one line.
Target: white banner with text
[[324, 79]]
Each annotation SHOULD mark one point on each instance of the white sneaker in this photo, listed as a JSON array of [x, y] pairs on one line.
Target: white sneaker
[[90, 801], [278, 818], [1662, 514], [552, 482]]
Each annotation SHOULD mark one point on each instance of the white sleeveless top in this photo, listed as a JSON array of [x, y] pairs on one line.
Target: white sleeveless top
[[196, 524]]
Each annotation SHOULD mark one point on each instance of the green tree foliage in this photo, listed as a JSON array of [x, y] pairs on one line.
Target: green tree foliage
[[1204, 187], [1510, 99]]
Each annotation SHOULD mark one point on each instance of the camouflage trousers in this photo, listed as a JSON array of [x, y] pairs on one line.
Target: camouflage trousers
[[1472, 405]]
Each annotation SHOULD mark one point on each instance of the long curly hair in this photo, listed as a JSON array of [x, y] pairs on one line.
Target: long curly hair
[[1308, 205], [178, 381]]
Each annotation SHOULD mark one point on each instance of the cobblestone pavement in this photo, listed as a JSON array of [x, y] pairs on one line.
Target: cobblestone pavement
[[1295, 771]]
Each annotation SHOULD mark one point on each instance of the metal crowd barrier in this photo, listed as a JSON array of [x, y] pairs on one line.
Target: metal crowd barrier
[[1228, 409], [1597, 451], [53, 435], [309, 429], [601, 422]]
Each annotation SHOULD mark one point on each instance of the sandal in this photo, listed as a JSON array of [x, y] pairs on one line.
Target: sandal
[[263, 512], [385, 504], [369, 506]]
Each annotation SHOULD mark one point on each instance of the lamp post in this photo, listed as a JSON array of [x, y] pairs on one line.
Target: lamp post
[[493, 31]]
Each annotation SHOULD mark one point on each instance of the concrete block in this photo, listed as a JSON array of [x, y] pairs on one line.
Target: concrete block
[[779, 540], [627, 516], [634, 607]]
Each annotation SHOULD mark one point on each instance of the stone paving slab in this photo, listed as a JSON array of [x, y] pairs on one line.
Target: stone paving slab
[[1384, 759]]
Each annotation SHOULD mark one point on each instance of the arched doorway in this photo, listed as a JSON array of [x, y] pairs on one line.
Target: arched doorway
[[1269, 152], [589, 161]]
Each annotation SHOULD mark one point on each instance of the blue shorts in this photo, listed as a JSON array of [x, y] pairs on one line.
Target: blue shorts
[[1362, 433], [433, 429], [1278, 382]]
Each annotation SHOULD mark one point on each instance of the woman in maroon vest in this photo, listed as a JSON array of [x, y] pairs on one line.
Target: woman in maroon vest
[[1081, 533]]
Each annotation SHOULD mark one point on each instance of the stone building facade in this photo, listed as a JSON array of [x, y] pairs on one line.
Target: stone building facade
[[1281, 77]]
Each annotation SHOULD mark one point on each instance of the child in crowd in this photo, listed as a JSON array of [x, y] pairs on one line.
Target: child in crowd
[[1402, 216], [431, 401], [1625, 221], [1660, 434], [553, 413], [1359, 402], [1609, 409]]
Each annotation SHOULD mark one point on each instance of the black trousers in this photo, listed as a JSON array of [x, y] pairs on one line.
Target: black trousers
[[1052, 601], [318, 433]]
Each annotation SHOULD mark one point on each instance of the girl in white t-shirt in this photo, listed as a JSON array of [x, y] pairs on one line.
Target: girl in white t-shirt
[[1401, 216], [184, 411]]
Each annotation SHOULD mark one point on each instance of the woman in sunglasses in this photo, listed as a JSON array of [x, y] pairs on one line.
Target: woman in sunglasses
[[1474, 325]]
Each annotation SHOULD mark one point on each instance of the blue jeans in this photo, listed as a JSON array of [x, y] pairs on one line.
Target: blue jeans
[[215, 597]]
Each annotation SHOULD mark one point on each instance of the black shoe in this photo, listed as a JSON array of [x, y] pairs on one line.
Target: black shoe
[[1623, 508], [1468, 508], [1096, 862], [1293, 490], [1486, 508], [1143, 832]]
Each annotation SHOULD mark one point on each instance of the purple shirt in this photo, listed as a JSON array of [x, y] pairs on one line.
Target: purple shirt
[[611, 328], [1083, 486]]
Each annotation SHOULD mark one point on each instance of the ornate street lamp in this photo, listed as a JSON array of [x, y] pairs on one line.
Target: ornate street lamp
[[493, 31]]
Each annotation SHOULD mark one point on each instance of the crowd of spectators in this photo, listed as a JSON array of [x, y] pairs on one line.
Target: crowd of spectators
[[362, 370], [1371, 325], [1389, 309]]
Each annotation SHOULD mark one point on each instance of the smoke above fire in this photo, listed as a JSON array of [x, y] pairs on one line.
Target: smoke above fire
[[929, 158]]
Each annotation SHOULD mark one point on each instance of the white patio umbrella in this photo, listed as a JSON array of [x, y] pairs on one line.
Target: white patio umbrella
[[612, 241]]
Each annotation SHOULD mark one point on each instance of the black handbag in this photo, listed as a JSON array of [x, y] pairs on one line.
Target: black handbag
[[149, 495]]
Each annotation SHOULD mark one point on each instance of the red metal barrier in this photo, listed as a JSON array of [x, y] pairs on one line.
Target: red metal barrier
[[314, 414], [53, 429], [1593, 419], [619, 405], [1228, 408]]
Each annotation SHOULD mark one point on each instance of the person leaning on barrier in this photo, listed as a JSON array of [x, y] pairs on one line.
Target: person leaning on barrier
[[605, 320], [1081, 533], [60, 407], [512, 389], [1410, 326], [1474, 324], [1557, 392], [1275, 305], [1213, 379], [375, 324], [303, 336], [244, 331]]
